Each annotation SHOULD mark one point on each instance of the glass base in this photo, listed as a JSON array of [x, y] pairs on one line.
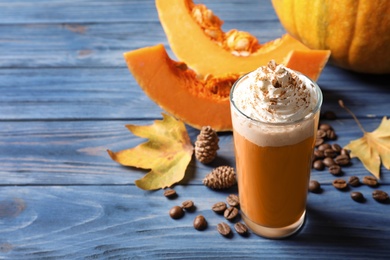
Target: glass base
[[274, 232]]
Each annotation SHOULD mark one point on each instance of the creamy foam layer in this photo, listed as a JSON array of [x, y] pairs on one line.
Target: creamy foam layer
[[274, 135], [276, 95]]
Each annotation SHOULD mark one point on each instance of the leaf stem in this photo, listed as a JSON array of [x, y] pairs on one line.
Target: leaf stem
[[341, 104]]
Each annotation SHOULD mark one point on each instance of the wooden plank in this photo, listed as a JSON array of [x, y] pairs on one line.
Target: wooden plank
[[60, 11], [112, 93], [101, 222], [52, 94], [74, 45], [93, 45], [74, 152]]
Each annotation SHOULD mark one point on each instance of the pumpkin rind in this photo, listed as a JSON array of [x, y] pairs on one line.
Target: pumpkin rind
[[191, 45], [357, 32]]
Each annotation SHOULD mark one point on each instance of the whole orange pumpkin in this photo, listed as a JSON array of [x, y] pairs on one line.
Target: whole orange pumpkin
[[357, 32]]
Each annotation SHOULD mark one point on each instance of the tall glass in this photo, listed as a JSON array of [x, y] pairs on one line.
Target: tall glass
[[273, 162]]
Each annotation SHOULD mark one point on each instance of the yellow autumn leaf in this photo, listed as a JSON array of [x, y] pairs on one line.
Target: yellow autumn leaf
[[373, 148], [167, 153]]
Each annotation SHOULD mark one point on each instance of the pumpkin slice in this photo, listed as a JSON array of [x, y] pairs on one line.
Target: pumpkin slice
[[179, 91], [196, 38]]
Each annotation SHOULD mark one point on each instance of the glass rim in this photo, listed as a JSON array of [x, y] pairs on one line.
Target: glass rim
[[256, 121]]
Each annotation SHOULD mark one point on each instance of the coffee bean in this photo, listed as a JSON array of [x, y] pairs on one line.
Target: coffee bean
[[321, 133], [329, 115], [339, 184], [337, 148], [370, 181], [241, 228], [380, 196], [354, 181], [325, 146], [224, 229], [314, 186], [219, 207], [335, 169], [331, 135], [328, 162], [325, 127], [357, 196], [319, 141], [230, 213], [233, 200], [318, 165], [345, 152], [319, 154], [170, 193], [200, 223], [176, 212], [329, 152], [188, 205], [342, 160]]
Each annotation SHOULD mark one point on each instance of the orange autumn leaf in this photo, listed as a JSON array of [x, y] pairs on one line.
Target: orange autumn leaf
[[167, 153], [373, 148]]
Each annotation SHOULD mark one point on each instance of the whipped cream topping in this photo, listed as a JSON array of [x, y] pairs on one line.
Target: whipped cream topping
[[275, 94]]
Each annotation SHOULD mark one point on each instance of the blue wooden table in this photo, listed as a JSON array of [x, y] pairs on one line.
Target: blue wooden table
[[65, 96]]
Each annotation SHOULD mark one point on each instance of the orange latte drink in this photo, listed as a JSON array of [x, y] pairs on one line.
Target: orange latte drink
[[275, 113]]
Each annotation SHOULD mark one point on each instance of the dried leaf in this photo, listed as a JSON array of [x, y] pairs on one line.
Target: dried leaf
[[373, 148], [167, 153]]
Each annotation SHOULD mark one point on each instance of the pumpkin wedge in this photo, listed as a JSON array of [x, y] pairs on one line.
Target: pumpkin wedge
[[177, 90], [195, 36], [196, 101]]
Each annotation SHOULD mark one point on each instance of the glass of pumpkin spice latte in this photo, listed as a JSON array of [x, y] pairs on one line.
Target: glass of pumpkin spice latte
[[275, 114]]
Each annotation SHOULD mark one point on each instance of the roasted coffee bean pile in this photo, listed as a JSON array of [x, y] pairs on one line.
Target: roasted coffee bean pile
[[229, 209], [230, 212], [354, 181], [333, 157]]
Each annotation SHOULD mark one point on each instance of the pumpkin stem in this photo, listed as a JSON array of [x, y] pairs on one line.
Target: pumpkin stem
[[341, 104]]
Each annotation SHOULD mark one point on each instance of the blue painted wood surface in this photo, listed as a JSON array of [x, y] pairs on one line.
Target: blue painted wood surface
[[65, 96]]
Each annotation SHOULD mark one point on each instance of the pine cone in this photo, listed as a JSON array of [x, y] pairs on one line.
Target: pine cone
[[206, 145], [222, 177]]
